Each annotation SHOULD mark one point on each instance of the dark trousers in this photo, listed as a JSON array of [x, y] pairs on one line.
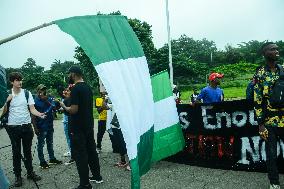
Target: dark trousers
[[119, 140], [101, 132], [271, 155], [85, 154], [21, 135]]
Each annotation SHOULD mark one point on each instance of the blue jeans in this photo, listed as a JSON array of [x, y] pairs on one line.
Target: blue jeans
[[66, 131], [48, 136], [4, 182]]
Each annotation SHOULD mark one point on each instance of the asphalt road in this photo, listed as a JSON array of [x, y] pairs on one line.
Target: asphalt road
[[163, 175]]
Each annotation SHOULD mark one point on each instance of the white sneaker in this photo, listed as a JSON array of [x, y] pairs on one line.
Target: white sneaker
[[67, 154], [274, 186], [99, 150], [71, 161]]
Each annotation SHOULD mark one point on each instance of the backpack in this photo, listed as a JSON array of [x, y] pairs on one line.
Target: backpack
[[4, 117], [277, 92]]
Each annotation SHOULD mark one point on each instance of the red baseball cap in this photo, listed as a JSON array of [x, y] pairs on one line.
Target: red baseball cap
[[213, 76]]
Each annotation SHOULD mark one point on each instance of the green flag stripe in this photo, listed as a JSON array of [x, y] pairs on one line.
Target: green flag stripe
[[167, 142], [142, 163], [161, 86], [108, 37]]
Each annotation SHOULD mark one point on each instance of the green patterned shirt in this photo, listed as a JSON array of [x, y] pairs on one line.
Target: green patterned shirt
[[265, 114]]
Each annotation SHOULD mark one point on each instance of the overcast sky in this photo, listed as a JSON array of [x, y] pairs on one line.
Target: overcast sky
[[223, 21]]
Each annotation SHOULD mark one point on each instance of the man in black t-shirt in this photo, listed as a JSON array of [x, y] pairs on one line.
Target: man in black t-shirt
[[82, 128]]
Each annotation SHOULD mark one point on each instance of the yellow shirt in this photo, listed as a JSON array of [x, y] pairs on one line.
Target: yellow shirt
[[103, 114]]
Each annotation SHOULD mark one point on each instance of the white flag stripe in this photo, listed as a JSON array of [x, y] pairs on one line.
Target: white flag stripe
[[132, 99], [165, 113]]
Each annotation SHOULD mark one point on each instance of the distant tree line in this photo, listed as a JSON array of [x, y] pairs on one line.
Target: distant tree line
[[192, 60]]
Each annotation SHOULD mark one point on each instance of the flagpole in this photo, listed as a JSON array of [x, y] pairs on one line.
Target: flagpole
[[170, 45], [25, 32]]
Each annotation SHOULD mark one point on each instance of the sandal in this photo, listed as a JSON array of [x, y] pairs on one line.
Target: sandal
[[120, 164], [128, 168]]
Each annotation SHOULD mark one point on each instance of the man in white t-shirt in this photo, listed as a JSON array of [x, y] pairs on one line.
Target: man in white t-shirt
[[19, 105]]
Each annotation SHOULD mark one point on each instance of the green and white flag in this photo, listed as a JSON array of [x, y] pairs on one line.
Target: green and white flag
[[3, 86], [117, 56], [168, 136]]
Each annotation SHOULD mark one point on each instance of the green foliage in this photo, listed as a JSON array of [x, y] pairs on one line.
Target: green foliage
[[32, 74], [233, 70], [90, 74]]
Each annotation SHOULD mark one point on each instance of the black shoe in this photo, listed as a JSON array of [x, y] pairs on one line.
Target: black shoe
[[54, 162], [89, 186], [44, 165], [96, 180], [18, 182], [33, 177]]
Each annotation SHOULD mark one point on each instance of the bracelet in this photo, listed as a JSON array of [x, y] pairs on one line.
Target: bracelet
[[265, 132]]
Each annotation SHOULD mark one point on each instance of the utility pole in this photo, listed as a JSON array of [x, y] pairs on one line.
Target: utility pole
[[170, 45]]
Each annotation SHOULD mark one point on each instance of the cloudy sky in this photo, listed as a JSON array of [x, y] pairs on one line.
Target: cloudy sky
[[223, 21]]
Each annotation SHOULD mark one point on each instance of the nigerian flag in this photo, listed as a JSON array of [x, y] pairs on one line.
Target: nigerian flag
[[168, 136], [3, 86], [118, 58]]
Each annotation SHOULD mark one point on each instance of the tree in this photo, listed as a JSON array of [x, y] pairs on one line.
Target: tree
[[32, 74], [90, 75], [144, 33]]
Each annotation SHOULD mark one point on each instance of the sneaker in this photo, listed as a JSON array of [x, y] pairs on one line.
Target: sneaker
[[18, 182], [33, 176], [44, 165], [71, 161], [54, 162], [66, 154], [96, 180], [89, 186], [274, 186]]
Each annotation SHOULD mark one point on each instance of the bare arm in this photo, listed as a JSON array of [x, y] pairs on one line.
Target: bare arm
[[35, 112]]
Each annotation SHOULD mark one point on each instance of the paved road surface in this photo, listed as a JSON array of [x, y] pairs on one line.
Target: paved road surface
[[163, 175]]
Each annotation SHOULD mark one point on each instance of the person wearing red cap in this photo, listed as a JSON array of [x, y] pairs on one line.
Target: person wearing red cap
[[212, 93]]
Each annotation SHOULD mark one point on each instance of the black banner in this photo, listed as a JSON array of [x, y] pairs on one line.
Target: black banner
[[224, 135]]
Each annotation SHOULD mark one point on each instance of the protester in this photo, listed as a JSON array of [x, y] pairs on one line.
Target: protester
[[250, 89], [19, 105], [269, 119], [82, 128], [212, 93], [66, 124], [102, 107], [118, 138], [44, 127], [194, 96], [177, 95]]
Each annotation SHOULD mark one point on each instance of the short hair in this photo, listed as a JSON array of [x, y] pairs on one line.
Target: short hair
[[264, 45], [15, 76], [76, 70]]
